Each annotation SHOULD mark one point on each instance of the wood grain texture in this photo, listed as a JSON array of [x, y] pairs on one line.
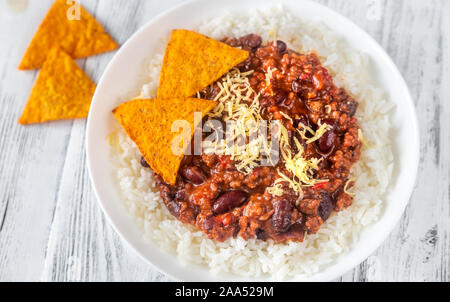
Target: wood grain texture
[[51, 228]]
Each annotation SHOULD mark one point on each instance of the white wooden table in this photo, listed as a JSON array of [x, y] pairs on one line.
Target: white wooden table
[[51, 228]]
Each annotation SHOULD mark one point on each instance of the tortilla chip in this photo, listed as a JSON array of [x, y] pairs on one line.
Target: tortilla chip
[[79, 38], [62, 91], [193, 61], [149, 124]]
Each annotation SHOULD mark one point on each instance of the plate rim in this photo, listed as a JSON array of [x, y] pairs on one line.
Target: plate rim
[[338, 271]]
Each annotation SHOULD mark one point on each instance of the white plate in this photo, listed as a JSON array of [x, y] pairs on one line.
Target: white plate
[[122, 79]]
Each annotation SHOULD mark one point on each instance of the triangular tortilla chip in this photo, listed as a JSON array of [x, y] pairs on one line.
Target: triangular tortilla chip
[[149, 124], [193, 61], [62, 91], [79, 38]]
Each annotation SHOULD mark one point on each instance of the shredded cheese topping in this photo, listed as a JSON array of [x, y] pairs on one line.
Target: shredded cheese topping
[[239, 103], [300, 168], [319, 133], [277, 188], [362, 139], [346, 187], [269, 75]]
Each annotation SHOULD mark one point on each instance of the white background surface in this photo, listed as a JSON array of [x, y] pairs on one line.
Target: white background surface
[[51, 228]]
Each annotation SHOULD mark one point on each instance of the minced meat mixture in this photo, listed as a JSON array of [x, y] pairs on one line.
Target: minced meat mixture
[[223, 202]]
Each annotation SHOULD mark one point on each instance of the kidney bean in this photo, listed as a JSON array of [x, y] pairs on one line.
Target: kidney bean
[[194, 174], [326, 206], [281, 219], [182, 195], [174, 208], [329, 121], [280, 96], [208, 224], [251, 40], [144, 163], [326, 142], [281, 47], [261, 234], [297, 229], [297, 226], [228, 201], [296, 87], [164, 189]]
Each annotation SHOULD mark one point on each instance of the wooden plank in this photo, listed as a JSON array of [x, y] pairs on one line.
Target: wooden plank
[[414, 39], [32, 157]]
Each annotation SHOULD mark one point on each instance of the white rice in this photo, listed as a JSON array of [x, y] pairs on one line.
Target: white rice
[[257, 258]]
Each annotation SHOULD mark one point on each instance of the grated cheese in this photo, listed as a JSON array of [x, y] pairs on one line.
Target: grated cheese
[[363, 140], [239, 103], [319, 133], [269, 75], [346, 187], [287, 117], [273, 34], [277, 188], [301, 168]]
